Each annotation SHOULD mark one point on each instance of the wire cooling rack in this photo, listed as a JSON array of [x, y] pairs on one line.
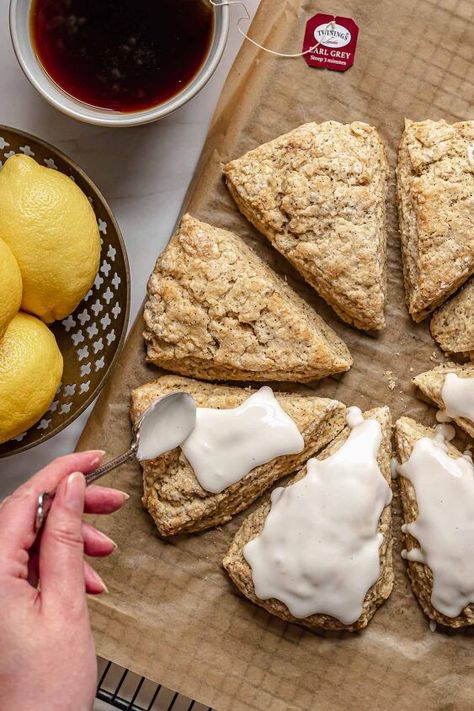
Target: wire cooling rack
[[122, 689]]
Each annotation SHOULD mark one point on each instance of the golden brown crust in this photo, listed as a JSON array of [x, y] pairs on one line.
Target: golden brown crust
[[318, 194], [407, 432], [215, 310], [435, 198], [173, 495], [241, 574], [431, 384], [452, 326]]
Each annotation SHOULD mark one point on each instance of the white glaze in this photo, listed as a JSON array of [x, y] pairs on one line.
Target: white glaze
[[165, 425], [225, 445], [470, 155], [444, 432], [458, 396], [394, 467], [444, 528], [318, 551], [443, 417]]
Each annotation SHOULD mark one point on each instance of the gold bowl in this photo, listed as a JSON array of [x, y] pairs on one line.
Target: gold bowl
[[90, 338]]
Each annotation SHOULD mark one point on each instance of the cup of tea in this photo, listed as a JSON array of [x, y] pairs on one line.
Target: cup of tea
[[118, 62]]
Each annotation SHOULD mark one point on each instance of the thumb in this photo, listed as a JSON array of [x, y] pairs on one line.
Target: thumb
[[61, 559]]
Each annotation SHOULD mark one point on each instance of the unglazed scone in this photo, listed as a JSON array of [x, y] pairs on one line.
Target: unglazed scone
[[172, 493], [431, 384], [216, 310], [318, 194], [436, 211], [452, 326], [407, 433], [240, 572]]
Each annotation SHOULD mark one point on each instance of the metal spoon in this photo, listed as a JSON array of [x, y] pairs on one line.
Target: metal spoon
[[164, 425]]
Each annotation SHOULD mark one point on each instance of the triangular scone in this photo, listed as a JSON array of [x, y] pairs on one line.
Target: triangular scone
[[407, 433], [431, 384], [436, 206], [172, 493], [452, 326], [216, 310], [241, 573], [318, 194]]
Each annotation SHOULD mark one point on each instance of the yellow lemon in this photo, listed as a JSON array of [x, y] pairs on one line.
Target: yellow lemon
[[50, 227], [31, 367], [10, 287]]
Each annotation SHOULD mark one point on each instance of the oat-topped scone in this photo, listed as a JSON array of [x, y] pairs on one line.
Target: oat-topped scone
[[436, 211], [173, 494], [451, 387], [452, 326], [216, 310], [323, 544], [318, 194]]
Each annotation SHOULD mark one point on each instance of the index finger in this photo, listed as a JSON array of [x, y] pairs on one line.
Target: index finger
[[17, 514]]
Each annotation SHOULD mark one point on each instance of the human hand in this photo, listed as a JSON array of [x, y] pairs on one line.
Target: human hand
[[47, 654]]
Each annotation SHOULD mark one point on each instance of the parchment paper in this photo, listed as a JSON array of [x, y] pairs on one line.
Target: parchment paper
[[172, 614]]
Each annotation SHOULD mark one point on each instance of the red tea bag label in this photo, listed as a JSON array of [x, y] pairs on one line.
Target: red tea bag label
[[332, 41]]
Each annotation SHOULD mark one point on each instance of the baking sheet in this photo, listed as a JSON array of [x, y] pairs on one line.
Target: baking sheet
[[172, 614]]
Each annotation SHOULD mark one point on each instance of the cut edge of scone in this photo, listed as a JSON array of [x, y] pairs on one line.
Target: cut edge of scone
[[452, 325], [407, 433], [172, 494], [421, 296], [366, 313], [314, 350], [240, 572], [431, 384]]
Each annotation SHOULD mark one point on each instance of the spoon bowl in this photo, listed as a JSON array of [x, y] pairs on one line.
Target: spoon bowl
[[164, 425]]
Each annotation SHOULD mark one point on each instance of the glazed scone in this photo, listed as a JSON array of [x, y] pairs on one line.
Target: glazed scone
[[452, 326], [172, 493], [436, 206], [407, 433], [431, 384], [216, 310], [241, 573], [318, 194]]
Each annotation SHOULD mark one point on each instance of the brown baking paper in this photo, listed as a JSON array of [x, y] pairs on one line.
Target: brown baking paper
[[172, 614]]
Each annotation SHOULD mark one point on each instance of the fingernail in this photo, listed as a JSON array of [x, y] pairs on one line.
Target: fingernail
[[124, 494], [98, 458], [106, 538], [98, 580], [75, 488]]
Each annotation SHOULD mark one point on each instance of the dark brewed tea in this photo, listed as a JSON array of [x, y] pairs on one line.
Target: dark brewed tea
[[124, 55]]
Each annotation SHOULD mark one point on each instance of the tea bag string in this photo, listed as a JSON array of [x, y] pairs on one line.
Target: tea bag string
[[246, 18]]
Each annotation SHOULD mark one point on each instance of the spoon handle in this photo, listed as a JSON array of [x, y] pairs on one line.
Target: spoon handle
[[108, 466], [45, 499]]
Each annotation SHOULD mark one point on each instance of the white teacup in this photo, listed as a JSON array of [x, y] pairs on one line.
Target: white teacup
[[32, 67]]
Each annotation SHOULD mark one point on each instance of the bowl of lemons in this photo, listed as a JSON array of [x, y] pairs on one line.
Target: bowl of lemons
[[64, 291]]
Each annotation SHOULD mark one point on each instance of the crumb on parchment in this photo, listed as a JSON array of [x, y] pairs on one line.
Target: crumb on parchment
[[392, 382]]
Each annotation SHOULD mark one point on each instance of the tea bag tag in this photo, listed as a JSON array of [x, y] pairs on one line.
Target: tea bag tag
[[330, 42]]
